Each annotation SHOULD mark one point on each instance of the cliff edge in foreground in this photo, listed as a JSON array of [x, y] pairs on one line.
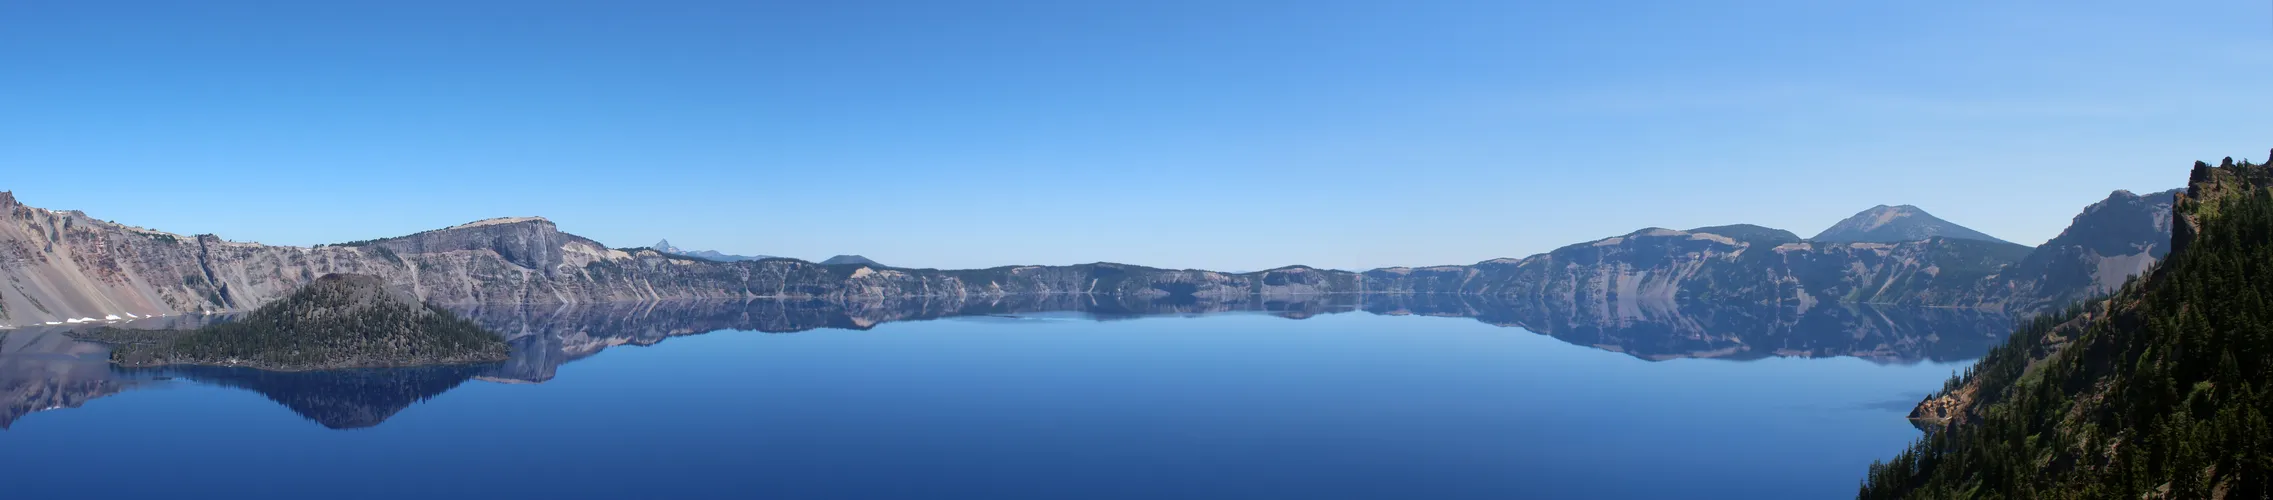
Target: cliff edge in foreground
[[2161, 390]]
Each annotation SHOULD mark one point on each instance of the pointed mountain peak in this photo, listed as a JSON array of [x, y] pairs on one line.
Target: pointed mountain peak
[[664, 246], [1894, 224]]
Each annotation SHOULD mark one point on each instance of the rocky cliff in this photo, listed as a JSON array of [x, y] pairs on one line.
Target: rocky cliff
[[2111, 241], [64, 266]]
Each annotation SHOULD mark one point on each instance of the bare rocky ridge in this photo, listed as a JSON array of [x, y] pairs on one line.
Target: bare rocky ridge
[[64, 266], [2111, 241]]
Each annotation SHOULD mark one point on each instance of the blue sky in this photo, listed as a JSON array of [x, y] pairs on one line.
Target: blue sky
[[1224, 135]]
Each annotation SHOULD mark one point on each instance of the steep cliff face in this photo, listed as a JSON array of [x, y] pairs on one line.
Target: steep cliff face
[[61, 266], [2111, 241]]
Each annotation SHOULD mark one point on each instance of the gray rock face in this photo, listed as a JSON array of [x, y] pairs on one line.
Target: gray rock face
[[1885, 224], [60, 266], [2111, 241]]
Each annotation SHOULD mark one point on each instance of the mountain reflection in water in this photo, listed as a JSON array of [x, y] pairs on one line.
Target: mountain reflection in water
[[41, 369]]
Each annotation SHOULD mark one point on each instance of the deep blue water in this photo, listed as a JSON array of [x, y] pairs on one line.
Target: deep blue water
[[1228, 405]]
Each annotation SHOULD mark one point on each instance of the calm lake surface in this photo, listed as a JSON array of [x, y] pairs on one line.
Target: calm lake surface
[[1330, 399]]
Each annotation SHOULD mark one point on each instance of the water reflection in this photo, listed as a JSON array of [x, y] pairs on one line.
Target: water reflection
[[42, 369], [343, 399]]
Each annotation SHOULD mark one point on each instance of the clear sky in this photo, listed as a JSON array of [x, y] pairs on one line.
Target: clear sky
[[1212, 134]]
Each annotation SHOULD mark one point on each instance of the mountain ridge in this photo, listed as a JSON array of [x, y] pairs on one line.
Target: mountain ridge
[[63, 265], [1897, 223], [665, 247]]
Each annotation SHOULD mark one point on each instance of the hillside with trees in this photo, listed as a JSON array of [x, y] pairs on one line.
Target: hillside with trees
[[2157, 391], [337, 321]]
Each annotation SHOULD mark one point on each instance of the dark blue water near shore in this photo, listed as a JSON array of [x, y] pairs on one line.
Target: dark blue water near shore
[[1227, 405]]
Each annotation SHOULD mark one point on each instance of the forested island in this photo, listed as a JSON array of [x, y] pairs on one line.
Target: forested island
[[2157, 391], [337, 321]]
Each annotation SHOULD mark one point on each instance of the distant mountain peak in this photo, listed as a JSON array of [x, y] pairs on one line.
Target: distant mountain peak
[[1895, 224], [665, 247], [1750, 232], [849, 259]]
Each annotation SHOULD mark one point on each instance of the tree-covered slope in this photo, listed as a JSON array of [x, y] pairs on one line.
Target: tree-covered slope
[[337, 321], [2158, 391]]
